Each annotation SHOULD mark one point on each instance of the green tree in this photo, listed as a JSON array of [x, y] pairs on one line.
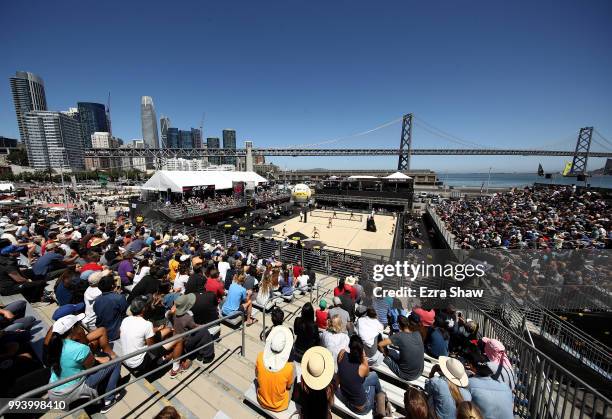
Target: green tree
[[18, 156]]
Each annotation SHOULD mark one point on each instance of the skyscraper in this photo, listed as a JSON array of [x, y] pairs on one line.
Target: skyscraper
[[93, 118], [172, 138], [54, 140], [213, 143], [196, 135], [28, 95], [185, 139], [229, 141], [149, 122], [164, 124]]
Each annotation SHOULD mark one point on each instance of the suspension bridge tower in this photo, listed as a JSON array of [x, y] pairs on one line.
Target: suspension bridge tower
[[581, 154], [405, 150]]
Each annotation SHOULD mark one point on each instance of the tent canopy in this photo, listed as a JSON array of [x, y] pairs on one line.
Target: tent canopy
[[176, 181], [397, 175]]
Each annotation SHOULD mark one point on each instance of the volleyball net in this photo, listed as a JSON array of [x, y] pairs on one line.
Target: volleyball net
[[337, 215]]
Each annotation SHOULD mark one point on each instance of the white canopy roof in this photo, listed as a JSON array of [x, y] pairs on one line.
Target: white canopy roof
[[221, 179], [362, 177], [397, 175]]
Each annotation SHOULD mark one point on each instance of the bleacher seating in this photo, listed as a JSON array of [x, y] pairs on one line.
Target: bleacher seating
[[40, 328], [250, 396]]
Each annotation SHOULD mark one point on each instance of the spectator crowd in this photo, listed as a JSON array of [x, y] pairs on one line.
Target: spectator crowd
[[556, 217], [124, 287]]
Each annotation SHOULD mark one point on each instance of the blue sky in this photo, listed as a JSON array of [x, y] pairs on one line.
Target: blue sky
[[501, 74]]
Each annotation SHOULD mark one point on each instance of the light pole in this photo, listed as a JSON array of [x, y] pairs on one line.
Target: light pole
[[63, 150]]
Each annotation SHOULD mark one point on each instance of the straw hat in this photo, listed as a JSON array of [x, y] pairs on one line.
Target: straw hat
[[453, 370], [277, 349], [317, 367], [97, 241]]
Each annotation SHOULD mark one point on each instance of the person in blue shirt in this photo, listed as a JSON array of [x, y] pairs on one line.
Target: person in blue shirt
[[68, 353], [446, 387], [51, 264], [237, 300], [110, 308], [494, 398], [436, 341]]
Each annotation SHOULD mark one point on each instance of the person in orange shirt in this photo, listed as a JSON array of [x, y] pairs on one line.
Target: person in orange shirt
[[274, 372]]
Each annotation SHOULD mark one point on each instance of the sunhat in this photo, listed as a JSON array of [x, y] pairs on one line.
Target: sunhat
[[66, 323], [97, 241], [453, 370], [277, 349], [184, 303], [350, 280], [317, 367]]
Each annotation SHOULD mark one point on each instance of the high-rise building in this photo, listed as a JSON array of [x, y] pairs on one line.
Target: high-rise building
[[93, 118], [164, 124], [213, 143], [137, 163], [196, 135], [54, 140], [150, 135], [185, 139], [102, 140], [28, 95], [172, 137], [229, 142]]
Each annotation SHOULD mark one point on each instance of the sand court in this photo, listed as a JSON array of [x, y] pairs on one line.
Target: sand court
[[345, 232]]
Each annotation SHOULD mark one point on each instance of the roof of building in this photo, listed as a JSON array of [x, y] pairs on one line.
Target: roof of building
[[163, 180]]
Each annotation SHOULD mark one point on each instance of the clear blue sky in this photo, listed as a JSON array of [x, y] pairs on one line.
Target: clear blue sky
[[501, 74]]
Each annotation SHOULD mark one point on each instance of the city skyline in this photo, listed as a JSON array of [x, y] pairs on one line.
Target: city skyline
[[282, 84]]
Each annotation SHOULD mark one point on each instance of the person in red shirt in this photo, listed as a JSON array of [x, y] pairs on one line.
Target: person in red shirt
[[321, 315], [343, 287], [427, 316], [92, 262], [214, 285], [298, 270]]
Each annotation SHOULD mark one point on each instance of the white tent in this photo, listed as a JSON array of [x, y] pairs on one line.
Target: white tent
[[7, 187], [398, 175], [178, 181], [355, 177]]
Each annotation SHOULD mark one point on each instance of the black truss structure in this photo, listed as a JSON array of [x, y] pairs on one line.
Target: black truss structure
[[191, 153], [405, 150], [581, 155]]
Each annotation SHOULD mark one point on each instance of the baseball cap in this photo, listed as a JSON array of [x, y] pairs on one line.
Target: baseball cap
[[66, 323]]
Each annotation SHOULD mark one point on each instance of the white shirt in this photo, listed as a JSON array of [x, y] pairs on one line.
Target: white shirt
[[134, 334], [335, 342], [223, 268], [368, 329], [179, 283], [143, 271], [91, 293]]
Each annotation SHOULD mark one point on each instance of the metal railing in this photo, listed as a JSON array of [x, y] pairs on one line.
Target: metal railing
[[537, 319], [41, 391], [544, 389]]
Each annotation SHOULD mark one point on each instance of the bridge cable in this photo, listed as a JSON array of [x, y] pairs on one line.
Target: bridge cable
[[335, 140], [447, 135], [602, 137]]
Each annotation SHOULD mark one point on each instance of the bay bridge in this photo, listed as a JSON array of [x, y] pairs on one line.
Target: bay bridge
[[580, 154]]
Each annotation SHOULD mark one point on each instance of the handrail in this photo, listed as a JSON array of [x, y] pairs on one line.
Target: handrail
[[122, 358], [529, 357]]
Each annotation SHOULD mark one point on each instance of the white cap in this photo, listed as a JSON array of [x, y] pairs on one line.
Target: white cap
[[64, 324]]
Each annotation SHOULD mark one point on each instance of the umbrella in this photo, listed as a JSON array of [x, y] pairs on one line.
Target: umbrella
[[311, 244], [297, 236]]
